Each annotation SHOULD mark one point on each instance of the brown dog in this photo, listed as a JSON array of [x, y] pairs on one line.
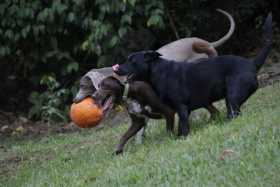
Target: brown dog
[[147, 104]]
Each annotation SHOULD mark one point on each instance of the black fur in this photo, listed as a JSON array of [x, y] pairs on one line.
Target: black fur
[[188, 86]]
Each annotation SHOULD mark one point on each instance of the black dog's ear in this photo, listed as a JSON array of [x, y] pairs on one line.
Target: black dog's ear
[[131, 56], [151, 55]]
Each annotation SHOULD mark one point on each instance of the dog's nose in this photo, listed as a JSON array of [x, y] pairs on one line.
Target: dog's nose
[[96, 96], [116, 67], [76, 99]]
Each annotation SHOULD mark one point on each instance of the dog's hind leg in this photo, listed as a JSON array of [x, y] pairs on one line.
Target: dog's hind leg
[[238, 91], [136, 124], [214, 112], [233, 108], [183, 113], [141, 133]]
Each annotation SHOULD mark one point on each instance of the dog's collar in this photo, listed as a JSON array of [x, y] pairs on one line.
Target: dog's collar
[[126, 90], [125, 83]]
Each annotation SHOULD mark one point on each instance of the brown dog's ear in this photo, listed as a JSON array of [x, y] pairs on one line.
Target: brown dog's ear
[[151, 55]]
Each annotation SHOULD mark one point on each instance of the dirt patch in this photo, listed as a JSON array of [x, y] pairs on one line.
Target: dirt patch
[[10, 164], [21, 127], [269, 75]]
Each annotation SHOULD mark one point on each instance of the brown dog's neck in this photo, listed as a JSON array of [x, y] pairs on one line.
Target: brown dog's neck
[[134, 89], [120, 91], [131, 92]]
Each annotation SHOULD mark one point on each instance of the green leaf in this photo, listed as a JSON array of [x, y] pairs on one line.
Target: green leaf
[[155, 20], [71, 17], [2, 8], [17, 37], [9, 34], [126, 19], [122, 31], [60, 8], [72, 67], [158, 11], [48, 79], [114, 40], [43, 15], [132, 2], [25, 31], [85, 45], [2, 51]]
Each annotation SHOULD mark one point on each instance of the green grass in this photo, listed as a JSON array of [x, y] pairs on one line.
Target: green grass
[[85, 159]]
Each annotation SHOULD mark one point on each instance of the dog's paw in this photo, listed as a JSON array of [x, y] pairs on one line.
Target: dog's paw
[[183, 134], [118, 152]]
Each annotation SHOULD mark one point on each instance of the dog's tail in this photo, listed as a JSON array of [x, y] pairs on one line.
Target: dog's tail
[[229, 33], [267, 42]]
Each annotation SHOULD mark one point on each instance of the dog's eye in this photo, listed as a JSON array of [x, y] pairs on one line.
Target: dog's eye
[[102, 86], [83, 85]]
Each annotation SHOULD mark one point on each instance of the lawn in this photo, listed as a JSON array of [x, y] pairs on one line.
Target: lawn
[[241, 152]]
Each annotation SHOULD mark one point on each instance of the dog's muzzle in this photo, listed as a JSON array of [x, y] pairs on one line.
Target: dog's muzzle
[[104, 99], [82, 94]]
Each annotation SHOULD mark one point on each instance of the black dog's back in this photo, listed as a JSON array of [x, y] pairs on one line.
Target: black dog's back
[[198, 83]]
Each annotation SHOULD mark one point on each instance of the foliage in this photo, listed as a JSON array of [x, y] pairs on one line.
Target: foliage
[[61, 37], [49, 105]]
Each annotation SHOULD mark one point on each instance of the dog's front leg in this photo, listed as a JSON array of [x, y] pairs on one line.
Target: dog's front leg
[[183, 113], [136, 124]]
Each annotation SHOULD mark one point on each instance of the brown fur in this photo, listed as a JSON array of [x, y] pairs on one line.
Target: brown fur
[[204, 47], [144, 94]]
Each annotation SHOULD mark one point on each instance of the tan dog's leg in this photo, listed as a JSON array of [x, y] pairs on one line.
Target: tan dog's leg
[[204, 47], [213, 111]]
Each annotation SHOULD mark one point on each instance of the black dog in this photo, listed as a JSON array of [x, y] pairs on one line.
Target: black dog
[[188, 86], [144, 96]]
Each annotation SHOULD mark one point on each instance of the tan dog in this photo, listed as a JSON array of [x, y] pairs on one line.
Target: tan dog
[[191, 49]]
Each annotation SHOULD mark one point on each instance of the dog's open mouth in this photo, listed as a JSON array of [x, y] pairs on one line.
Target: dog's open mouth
[[107, 104]]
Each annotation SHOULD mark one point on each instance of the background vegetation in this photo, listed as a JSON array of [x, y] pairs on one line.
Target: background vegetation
[[47, 45]]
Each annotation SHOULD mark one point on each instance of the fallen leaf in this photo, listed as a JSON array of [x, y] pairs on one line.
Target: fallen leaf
[[226, 153]]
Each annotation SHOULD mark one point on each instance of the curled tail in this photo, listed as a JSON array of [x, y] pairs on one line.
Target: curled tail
[[267, 42], [229, 33]]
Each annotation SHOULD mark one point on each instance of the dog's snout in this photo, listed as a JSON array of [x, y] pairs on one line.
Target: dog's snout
[[95, 95], [77, 99]]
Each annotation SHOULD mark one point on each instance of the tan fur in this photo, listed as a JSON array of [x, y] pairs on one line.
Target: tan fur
[[182, 49], [204, 47]]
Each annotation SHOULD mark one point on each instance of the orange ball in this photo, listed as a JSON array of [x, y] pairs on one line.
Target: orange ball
[[86, 114]]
